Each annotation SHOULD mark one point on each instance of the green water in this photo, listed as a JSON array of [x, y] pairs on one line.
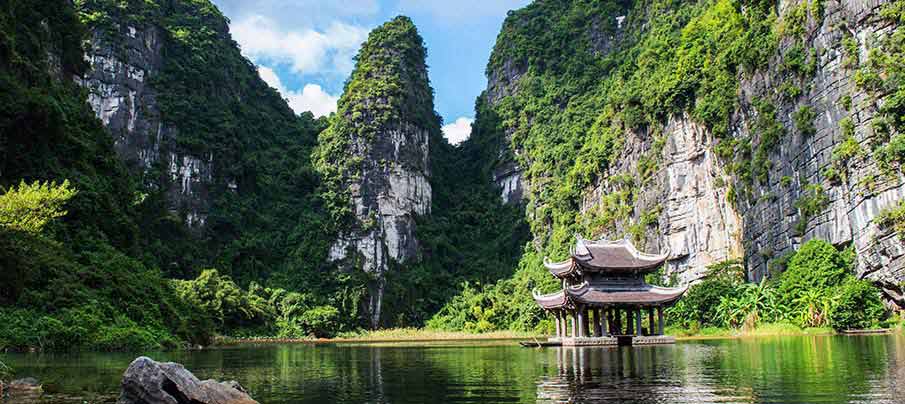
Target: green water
[[823, 369]]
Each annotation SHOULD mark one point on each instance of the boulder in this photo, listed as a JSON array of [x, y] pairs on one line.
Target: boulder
[[23, 390], [150, 382]]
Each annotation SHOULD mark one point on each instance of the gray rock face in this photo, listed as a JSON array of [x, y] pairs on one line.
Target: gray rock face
[[392, 189], [854, 203], [507, 174], [697, 222], [150, 382], [119, 90]]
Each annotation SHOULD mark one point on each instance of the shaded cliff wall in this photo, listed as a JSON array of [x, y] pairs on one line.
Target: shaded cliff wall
[[225, 162], [126, 54]]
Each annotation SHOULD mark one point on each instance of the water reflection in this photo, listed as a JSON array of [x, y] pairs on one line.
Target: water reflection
[[762, 370], [631, 374]]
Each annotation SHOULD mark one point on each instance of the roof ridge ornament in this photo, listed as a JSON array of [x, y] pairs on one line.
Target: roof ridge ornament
[[581, 250]]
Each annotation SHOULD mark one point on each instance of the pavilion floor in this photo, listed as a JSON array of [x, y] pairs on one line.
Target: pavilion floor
[[614, 340]]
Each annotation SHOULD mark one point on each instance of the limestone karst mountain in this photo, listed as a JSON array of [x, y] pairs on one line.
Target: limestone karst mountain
[[375, 156], [716, 129]]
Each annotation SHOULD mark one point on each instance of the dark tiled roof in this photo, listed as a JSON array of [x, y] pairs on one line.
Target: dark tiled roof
[[605, 256], [614, 255], [551, 301], [601, 295], [560, 269], [651, 295]]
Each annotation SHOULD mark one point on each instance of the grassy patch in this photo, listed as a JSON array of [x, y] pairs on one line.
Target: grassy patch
[[762, 330]]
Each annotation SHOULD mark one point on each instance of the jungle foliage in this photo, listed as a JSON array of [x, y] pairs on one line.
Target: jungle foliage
[[817, 289], [90, 278], [585, 80]]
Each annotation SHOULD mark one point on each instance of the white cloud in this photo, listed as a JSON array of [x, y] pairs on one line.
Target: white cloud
[[312, 97], [307, 51], [458, 131]]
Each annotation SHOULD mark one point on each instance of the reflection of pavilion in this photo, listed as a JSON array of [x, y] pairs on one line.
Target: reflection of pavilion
[[640, 375], [604, 295]]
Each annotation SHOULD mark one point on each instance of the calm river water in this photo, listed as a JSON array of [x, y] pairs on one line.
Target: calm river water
[[835, 369]]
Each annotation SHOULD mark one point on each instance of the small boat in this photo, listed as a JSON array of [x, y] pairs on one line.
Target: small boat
[[538, 344]]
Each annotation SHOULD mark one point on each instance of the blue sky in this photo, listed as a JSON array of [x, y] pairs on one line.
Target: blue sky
[[304, 48]]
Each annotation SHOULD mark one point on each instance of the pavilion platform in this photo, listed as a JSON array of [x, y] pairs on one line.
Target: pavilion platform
[[614, 340]]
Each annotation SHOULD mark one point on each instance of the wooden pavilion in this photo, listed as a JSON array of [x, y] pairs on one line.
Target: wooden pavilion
[[604, 296]]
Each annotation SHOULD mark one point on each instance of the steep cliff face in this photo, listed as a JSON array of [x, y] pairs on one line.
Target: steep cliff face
[[825, 179], [126, 55], [224, 161], [774, 137], [375, 156]]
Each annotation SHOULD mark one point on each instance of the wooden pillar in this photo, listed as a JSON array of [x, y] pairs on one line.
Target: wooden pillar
[[617, 319], [650, 321], [562, 323], [637, 321], [556, 322], [659, 320], [630, 319], [574, 325], [598, 328], [605, 323], [586, 330]]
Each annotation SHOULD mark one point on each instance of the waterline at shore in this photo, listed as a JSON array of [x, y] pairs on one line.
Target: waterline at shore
[[425, 335]]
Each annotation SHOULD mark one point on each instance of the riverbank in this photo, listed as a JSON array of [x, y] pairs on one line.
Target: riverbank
[[390, 335], [425, 335], [770, 330]]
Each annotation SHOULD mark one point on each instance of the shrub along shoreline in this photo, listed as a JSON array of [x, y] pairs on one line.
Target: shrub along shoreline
[[814, 287]]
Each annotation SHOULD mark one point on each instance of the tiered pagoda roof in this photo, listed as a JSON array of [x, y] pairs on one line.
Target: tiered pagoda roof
[[646, 295], [610, 273], [605, 256]]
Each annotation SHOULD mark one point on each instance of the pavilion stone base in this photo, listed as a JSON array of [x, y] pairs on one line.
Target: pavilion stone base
[[588, 341], [614, 341], [653, 340]]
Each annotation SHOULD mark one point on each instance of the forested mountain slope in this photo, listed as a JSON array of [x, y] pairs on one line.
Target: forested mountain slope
[[715, 129], [182, 159]]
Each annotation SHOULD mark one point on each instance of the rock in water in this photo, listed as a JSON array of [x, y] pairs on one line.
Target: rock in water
[[22, 390], [150, 382]]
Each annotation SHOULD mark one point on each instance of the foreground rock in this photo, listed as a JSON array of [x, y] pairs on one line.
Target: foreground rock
[[150, 382], [22, 390]]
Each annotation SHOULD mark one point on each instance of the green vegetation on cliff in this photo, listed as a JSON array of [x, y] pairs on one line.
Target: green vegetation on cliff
[[74, 282], [388, 90], [589, 83], [468, 236], [604, 79]]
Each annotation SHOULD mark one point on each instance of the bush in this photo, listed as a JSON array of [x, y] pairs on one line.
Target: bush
[[699, 305], [816, 266], [858, 305], [321, 321]]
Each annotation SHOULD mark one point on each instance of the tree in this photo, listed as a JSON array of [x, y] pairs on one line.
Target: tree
[[29, 208]]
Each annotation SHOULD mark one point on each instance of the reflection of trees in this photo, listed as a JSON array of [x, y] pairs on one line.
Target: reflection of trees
[[800, 369]]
